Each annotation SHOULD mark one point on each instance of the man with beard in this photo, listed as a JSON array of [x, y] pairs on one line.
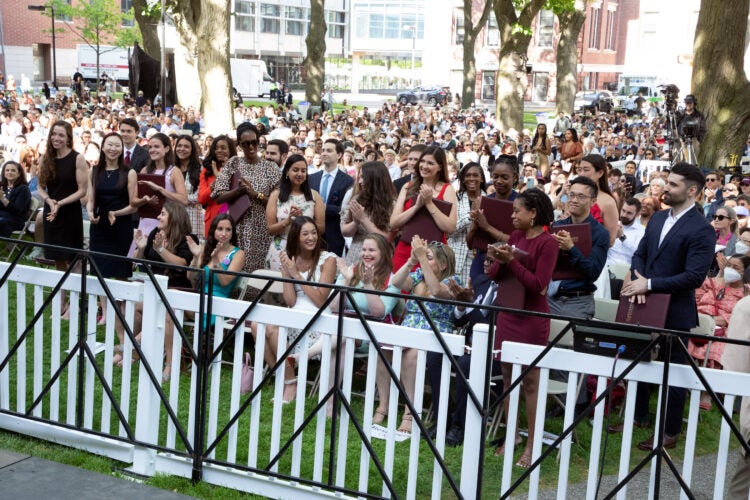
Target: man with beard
[[629, 234], [673, 258]]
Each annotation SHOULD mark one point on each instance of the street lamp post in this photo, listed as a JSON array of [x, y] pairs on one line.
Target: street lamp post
[[42, 8], [413, 30]]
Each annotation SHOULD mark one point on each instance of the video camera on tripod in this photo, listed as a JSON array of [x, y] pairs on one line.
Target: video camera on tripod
[[671, 92]]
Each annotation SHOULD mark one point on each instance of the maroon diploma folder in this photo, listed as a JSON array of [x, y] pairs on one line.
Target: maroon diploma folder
[[497, 213], [651, 313], [151, 210], [581, 234], [511, 292], [424, 225], [239, 206]]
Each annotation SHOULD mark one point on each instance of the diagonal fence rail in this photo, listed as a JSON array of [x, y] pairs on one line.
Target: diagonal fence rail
[[199, 425]]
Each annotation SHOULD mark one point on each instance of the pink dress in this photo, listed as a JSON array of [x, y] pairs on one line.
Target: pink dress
[[535, 278], [708, 302]]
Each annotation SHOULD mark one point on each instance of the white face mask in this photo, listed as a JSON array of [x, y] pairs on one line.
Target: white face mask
[[731, 275], [741, 247]]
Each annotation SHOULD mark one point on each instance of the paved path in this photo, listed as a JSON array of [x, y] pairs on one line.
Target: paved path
[[24, 476], [704, 470]]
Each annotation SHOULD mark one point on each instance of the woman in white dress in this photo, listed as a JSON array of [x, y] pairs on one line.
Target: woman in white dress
[[293, 198]]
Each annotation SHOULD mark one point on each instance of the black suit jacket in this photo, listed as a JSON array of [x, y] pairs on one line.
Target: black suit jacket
[[139, 158], [401, 182], [679, 265], [336, 191], [480, 286]]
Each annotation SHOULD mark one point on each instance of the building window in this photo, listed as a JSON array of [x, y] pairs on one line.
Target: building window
[[610, 45], [493, 33], [270, 18], [127, 6], [244, 15], [488, 85], [336, 22], [594, 28], [62, 17], [546, 29], [383, 19], [295, 21], [458, 15]]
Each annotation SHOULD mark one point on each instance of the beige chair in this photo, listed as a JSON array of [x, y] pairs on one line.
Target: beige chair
[[605, 309], [619, 270], [706, 326]]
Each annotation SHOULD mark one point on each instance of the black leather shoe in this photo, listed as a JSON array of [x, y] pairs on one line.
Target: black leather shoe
[[454, 436]]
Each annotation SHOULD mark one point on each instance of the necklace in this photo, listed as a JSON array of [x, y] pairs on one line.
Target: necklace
[[109, 173]]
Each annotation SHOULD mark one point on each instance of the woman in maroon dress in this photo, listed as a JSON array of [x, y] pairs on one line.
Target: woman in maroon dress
[[532, 211]]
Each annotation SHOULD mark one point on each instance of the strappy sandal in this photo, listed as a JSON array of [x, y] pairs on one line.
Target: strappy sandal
[[406, 422], [379, 416]]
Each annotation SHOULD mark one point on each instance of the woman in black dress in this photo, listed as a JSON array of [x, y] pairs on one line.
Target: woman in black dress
[[111, 185], [15, 198], [63, 179]]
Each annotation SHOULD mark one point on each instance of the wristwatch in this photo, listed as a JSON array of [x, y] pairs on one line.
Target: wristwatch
[[622, 238], [260, 196]]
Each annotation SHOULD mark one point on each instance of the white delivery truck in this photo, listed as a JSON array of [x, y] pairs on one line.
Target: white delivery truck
[[112, 60], [250, 77]]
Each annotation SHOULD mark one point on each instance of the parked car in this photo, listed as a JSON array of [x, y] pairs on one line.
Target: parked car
[[430, 95], [594, 101]]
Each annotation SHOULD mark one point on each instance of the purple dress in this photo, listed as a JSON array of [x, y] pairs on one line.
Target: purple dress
[[535, 278]]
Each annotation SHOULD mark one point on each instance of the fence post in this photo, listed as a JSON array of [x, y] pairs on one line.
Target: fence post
[[473, 431], [152, 345]]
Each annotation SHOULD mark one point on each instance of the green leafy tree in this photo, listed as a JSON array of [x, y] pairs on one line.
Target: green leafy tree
[[719, 80], [514, 20], [315, 67], [471, 32], [98, 23], [571, 21]]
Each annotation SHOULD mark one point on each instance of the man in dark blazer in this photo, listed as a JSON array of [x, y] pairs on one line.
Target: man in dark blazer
[[673, 257], [136, 157], [332, 183]]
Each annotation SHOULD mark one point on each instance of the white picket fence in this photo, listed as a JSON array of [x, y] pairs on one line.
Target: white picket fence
[[155, 448], [238, 460]]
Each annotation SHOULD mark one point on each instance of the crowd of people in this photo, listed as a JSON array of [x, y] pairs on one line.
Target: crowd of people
[[389, 199]]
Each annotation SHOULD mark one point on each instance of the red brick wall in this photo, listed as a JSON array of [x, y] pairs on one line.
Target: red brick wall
[[23, 27]]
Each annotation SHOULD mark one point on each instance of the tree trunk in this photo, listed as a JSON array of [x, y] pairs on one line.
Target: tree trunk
[[510, 87], [315, 61], [148, 25], [571, 22], [719, 80], [511, 81], [471, 32], [208, 21], [470, 71]]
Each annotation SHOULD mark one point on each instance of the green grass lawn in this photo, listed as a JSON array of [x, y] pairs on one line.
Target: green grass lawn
[[706, 442]]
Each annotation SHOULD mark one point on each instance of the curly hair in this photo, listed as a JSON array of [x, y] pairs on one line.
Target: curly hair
[[536, 199]]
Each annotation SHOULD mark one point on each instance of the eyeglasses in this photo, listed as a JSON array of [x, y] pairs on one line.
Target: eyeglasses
[[247, 144], [359, 160], [578, 196], [720, 217], [711, 180]]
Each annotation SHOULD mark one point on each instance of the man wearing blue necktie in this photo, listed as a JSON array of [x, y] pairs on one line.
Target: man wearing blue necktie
[[332, 184]]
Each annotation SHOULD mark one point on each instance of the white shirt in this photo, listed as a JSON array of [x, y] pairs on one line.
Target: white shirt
[[622, 251], [672, 219]]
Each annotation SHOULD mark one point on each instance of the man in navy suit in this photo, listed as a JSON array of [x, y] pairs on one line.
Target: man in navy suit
[[332, 184], [135, 156], [673, 257]]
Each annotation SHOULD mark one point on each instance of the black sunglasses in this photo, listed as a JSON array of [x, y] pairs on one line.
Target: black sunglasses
[[720, 217], [247, 144]]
